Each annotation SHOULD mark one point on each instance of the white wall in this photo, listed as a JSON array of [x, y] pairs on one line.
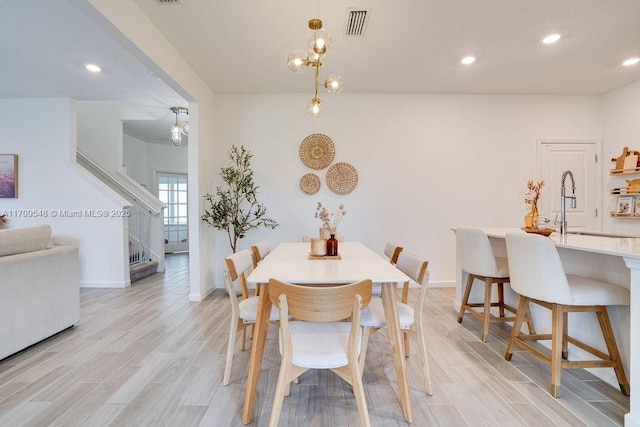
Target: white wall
[[50, 186], [621, 128], [143, 159], [426, 163]]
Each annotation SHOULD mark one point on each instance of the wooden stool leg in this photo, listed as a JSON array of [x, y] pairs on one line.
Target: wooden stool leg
[[465, 298], [557, 333], [612, 347], [501, 298], [486, 316], [529, 319], [565, 334], [521, 312]]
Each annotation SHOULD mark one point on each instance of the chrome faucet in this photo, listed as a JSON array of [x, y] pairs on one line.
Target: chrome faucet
[[563, 197]]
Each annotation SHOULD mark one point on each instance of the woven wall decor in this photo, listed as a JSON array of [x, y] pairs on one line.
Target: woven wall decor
[[310, 183], [317, 151], [342, 178]]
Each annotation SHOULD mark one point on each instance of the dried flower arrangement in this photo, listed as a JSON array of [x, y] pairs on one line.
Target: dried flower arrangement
[[330, 221], [532, 195]]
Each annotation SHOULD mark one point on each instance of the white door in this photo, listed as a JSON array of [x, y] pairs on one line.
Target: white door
[[581, 158]]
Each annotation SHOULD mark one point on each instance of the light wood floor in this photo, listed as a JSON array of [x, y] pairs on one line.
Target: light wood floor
[[146, 356]]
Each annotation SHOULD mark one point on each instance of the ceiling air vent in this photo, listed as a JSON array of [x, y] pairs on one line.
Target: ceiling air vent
[[357, 20], [169, 1]]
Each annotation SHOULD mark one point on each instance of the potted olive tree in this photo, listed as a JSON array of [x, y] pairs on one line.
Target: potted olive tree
[[235, 209]]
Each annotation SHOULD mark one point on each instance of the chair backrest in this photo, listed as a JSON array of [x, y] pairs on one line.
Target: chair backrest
[[416, 268], [535, 269], [320, 303], [238, 265], [391, 251], [259, 251], [475, 252]]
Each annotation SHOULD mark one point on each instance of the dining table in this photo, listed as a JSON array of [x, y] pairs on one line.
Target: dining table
[[292, 263]]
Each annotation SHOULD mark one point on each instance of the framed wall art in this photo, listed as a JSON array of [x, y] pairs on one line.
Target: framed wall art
[[8, 176]]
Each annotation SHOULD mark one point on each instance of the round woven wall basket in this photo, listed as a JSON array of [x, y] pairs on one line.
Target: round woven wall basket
[[310, 183], [317, 151], [342, 178]]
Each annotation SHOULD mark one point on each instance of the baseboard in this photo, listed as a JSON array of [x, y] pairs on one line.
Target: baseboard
[[442, 284], [96, 284]]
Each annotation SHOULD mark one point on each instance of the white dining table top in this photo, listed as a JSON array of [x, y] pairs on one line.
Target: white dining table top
[[289, 262]]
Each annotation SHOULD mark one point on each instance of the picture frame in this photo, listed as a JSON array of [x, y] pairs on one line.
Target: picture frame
[[625, 205], [8, 176]]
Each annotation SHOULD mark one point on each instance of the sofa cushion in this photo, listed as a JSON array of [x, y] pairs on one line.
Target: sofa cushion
[[28, 239]]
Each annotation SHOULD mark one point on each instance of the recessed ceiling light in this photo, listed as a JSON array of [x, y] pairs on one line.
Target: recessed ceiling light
[[631, 61], [93, 68], [551, 38], [468, 60]]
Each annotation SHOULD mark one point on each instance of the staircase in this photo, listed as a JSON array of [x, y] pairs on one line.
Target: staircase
[[142, 270]]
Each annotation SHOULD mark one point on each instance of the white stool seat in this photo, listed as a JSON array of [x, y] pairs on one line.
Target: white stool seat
[[593, 292], [373, 314]]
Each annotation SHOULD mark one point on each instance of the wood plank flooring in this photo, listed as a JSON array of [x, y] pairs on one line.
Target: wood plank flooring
[[145, 355]]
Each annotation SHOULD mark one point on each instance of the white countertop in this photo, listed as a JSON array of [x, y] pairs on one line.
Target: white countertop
[[616, 246]]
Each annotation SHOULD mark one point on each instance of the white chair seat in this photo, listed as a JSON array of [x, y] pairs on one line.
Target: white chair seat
[[249, 310], [373, 314], [593, 292], [320, 345]]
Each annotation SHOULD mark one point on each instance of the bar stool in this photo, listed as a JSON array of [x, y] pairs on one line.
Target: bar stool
[[538, 276], [478, 260]]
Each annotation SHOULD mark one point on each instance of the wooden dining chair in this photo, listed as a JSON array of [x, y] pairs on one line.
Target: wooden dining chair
[[319, 338], [373, 317], [259, 251], [243, 310], [391, 252], [537, 274]]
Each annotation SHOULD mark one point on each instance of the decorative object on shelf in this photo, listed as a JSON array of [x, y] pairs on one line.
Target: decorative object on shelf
[[179, 129], [3, 221], [543, 231], [633, 185], [342, 178], [236, 209], [317, 151], [531, 197], [299, 60], [627, 162], [310, 183], [8, 176], [329, 221], [625, 205]]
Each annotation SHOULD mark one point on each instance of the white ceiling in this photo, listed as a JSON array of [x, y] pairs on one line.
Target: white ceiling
[[409, 46]]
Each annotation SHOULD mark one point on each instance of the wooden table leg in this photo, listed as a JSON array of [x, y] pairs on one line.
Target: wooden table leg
[[390, 304], [257, 351]]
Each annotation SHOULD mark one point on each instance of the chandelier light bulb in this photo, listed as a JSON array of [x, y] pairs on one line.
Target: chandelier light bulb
[[176, 137], [314, 107], [297, 61], [320, 41], [631, 61], [334, 83], [184, 128]]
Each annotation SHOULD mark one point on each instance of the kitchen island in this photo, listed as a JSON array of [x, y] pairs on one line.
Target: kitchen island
[[612, 259]]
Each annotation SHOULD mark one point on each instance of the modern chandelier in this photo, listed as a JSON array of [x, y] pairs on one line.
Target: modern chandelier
[[179, 129], [298, 61]]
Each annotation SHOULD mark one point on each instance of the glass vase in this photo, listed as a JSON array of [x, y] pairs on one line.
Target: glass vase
[[531, 220], [332, 246]]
